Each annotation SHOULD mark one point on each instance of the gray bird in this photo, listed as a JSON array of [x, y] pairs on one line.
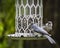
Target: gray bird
[[43, 32]]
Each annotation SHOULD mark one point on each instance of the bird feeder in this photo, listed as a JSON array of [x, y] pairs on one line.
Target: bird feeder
[[27, 12]]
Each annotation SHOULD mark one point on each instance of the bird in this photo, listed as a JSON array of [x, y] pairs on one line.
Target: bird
[[44, 33]]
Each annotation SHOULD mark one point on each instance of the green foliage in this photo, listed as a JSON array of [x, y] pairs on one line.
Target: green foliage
[[7, 20], [1, 28]]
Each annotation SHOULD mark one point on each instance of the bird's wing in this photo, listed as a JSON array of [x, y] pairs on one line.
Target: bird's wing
[[44, 31], [39, 29]]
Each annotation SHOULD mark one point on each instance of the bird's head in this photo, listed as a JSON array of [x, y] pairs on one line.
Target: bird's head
[[49, 23]]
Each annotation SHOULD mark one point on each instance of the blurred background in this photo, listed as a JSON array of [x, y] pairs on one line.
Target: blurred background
[[51, 11]]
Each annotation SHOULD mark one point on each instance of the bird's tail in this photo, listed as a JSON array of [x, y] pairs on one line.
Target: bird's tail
[[51, 40]]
